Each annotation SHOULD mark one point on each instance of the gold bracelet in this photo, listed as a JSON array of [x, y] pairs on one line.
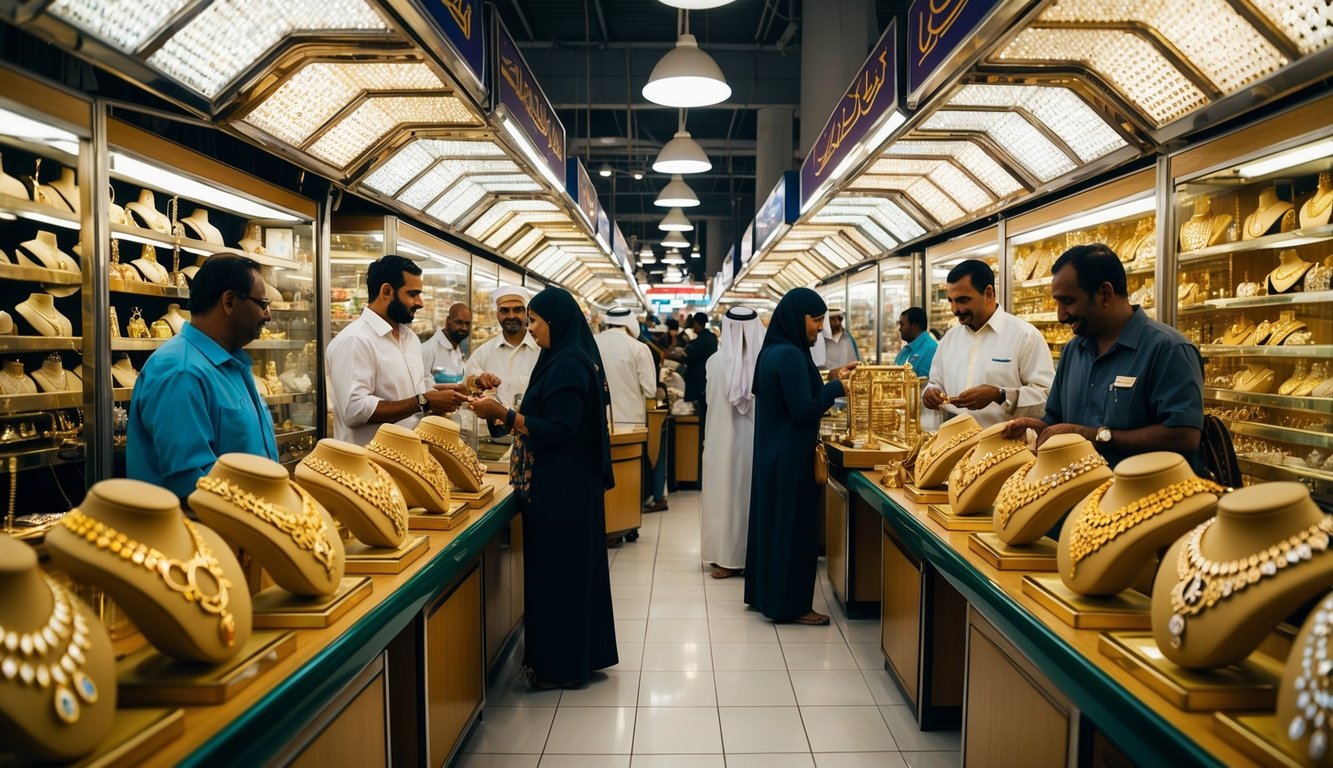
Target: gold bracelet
[[430, 471], [1203, 583], [179, 577], [383, 494], [965, 473], [1095, 528], [1017, 492], [459, 451], [24, 661], [306, 528], [930, 452]]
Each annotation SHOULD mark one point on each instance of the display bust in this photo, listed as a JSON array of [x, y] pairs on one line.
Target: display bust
[[441, 436], [251, 501], [168, 553], [359, 492], [976, 478], [943, 449], [419, 476], [1035, 497], [1305, 700]]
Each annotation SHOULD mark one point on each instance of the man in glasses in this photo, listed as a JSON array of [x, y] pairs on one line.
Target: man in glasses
[[505, 362], [375, 368], [196, 399]]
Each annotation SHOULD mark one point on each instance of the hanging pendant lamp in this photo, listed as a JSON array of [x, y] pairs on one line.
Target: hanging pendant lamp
[[696, 5], [676, 194], [675, 221], [646, 256], [686, 77], [682, 155], [673, 257], [675, 240]]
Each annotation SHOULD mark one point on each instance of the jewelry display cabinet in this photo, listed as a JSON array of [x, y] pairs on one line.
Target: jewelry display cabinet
[[983, 245], [862, 315]]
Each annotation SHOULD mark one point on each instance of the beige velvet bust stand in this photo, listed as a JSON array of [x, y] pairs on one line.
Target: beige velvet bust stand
[[367, 522], [958, 434], [1115, 565], [1059, 454], [152, 516], [995, 459], [313, 569], [28, 720], [458, 460], [1249, 522], [418, 487]]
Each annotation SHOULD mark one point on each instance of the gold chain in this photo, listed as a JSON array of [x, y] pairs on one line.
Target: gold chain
[[382, 494], [965, 472], [930, 451], [430, 471], [179, 577], [1017, 492], [1318, 204], [459, 451], [23, 660], [1095, 529], [306, 529], [1203, 583]]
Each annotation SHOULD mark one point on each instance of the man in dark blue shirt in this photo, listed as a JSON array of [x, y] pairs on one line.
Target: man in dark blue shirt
[[1126, 382]]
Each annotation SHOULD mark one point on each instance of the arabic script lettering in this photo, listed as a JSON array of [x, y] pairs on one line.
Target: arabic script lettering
[[929, 29], [859, 102]]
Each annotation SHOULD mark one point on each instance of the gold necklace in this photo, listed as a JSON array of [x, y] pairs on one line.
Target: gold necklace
[[930, 452], [1095, 528], [1197, 232], [1203, 583], [1254, 219], [306, 528], [55, 324], [1017, 492], [1319, 203], [431, 472], [179, 577], [23, 661], [1294, 270], [966, 472], [382, 494], [459, 451]]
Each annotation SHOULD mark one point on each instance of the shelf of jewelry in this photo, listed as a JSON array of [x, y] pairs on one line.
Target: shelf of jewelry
[[1318, 405], [41, 401], [1251, 302], [196, 247], [40, 343], [1282, 240], [1312, 351], [149, 289]]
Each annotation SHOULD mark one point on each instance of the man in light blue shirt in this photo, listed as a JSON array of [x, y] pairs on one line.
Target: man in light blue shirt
[[919, 349], [196, 399]]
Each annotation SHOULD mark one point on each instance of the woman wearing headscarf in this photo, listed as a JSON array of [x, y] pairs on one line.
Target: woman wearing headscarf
[[724, 504], [781, 555], [560, 470]]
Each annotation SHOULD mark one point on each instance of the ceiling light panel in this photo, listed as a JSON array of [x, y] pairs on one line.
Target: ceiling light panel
[[229, 36], [1209, 33], [886, 213], [1058, 109], [126, 24], [504, 208], [1127, 61], [376, 117], [943, 173], [408, 162], [455, 204], [315, 93], [530, 239], [1307, 23], [835, 255], [513, 225], [1013, 133], [966, 154]]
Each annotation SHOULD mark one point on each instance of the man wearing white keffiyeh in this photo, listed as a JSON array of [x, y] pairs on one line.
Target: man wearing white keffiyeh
[[729, 443]]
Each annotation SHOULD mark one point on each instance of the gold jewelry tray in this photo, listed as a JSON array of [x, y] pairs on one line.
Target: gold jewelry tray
[[276, 608], [151, 678], [927, 495], [943, 516], [420, 520], [1037, 556], [362, 558], [1125, 610], [1251, 684]]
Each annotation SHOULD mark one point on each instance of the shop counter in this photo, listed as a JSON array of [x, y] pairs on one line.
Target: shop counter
[[624, 502], [687, 447], [1106, 706]]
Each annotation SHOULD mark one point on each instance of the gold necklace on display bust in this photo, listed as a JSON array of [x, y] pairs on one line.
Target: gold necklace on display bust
[[431, 472], [306, 528], [1095, 528], [1017, 492], [52, 656], [382, 494]]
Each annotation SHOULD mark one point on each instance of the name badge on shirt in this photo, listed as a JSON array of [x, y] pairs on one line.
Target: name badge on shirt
[[1124, 382], [1001, 359]]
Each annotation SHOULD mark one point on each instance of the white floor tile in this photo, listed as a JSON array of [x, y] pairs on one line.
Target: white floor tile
[[789, 760], [867, 655], [859, 760], [677, 577], [763, 729], [677, 631], [677, 731], [592, 730], [512, 730], [818, 656], [515, 691], [631, 575], [584, 761], [755, 688], [800, 633], [741, 631], [677, 609], [724, 589], [681, 657], [831, 687], [933, 759], [678, 592], [883, 688], [484, 760], [733, 609], [666, 688], [862, 631], [750, 656], [911, 738], [631, 655], [847, 729], [629, 609], [621, 591], [678, 761], [608, 688], [630, 630]]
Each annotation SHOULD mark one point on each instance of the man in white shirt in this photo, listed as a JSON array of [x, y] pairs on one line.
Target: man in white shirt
[[374, 365], [839, 346], [991, 364], [441, 354], [629, 368], [505, 362]]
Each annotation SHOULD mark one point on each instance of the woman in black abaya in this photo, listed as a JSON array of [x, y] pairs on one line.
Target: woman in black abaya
[[781, 554], [561, 470]]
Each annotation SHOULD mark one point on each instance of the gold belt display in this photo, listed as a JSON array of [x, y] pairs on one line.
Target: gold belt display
[[930, 451], [383, 494], [967, 473], [1017, 492], [459, 451], [179, 577], [431, 472], [1095, 529], [26, 653], [1203, 583], [306, 529]]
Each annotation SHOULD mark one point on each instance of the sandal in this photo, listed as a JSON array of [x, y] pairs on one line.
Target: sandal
[[812, 619], [723, 572]]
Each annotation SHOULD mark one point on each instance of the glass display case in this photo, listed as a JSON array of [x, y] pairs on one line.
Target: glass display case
[[897, 292], [1255, 260], [983, 245], [862, 317], [485, 279]]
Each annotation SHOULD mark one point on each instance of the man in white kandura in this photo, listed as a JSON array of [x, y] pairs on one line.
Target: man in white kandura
[[629, 368], [441, 353], [839, 348], [505, 362], [729, 444], [374, 365]]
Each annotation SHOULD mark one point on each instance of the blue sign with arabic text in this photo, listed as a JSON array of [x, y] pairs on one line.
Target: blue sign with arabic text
[[872, 94], [936, 29], [523, 99], [780, 208], [461, 23]]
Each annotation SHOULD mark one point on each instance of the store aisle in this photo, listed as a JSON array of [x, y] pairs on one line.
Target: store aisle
[[703, 682]]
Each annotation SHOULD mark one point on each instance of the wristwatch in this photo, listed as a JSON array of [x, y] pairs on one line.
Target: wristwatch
[[1103, 435], [421, 401]]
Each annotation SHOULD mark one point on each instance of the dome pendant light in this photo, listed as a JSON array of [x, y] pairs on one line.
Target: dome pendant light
[[696, 5], [682, 155], [676, 194], [686, 77], [675, 240], [675, 221]]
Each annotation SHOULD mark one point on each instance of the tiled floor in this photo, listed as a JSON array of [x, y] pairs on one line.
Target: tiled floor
[[705, 683]]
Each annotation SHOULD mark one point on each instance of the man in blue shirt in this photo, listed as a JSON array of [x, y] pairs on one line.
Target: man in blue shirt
[[196, 399], [1127, 383], [919, 349]]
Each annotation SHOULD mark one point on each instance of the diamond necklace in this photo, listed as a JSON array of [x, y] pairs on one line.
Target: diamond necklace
[[1017, 492]]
